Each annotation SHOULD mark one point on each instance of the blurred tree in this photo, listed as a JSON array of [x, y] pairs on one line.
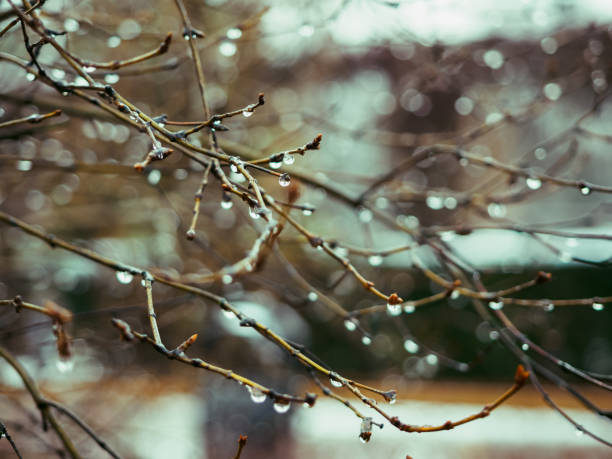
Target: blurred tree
[[161, 166]]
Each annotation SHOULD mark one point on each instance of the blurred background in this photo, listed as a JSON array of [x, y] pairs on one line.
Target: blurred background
[[523, 83]]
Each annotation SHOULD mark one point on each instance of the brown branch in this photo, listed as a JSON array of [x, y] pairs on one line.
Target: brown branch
[[241, 443]]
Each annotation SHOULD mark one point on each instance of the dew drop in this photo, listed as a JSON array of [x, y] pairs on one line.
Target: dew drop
[[579, 432], [275, 164], [256, 395], [334, 382], [228, 49], [227, 279], [312, 297], [392, 398], [411, 346], [30, 76], [549, 307], [496, 305], [540, 153], [124, 277], [366, 340], [533, 183], [111, 78], [365, 215], [284, 180], [585, 190], [409, 308], [394, 309], [234, 33], [154, 177], [253, 212], [375, 260], [281, 407], [247, 114], [89, 69], [455, 295], [598, 306], [24, 165], [525, 347], [226, 203], [288, 160], [64, 366], [351, 324], [431, 359], [307, 212]]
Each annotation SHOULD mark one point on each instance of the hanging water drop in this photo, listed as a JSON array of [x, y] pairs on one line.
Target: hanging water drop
[[30, 76], [409, 308], [226, 203], [392, 398], [307, 211], [275, 162], [281, 407], [597, 306], [533, 183], [284, 180], [234, 33], [549, 307], [312, 297], [335, 382], [247, 114], [351, 324], [226, 279], [496, 305], [288, 160], [411, 346], [256, 395], [394, 309], [64, 366], [254, 213], [525, 347], [375, 260], [124, 277], [366, 340], [585, 190]]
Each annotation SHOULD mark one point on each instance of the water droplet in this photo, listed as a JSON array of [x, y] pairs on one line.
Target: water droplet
[[366, 340], [455, 295], [496, 305], [228, 49], [227, 279], [281, 407], [124, 277], [226, 203], [549, 307], [111, 78], [24, 165], [89, 69], [549, 45], [493, 58], [525, 347], [496, 210], [190, 234], [275, 164], [394, 309], [284, 180], [579, 432], [312, 296], [307, 212], [493, 335], [247, 114], [253, 213], [234, 33], [288, 159], [434, 202], [392, 398], [351, 324], [431, 359], [540, 153], [533, 183], [256, 395], [30, 76], [113, 41], [366, 425], [64, 366], [411, 346], [553, 91], [363, 439], [375, 260], [585, 190], [154, 177], [597, 306], [334, 382], [365, 215], [409, 308]]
